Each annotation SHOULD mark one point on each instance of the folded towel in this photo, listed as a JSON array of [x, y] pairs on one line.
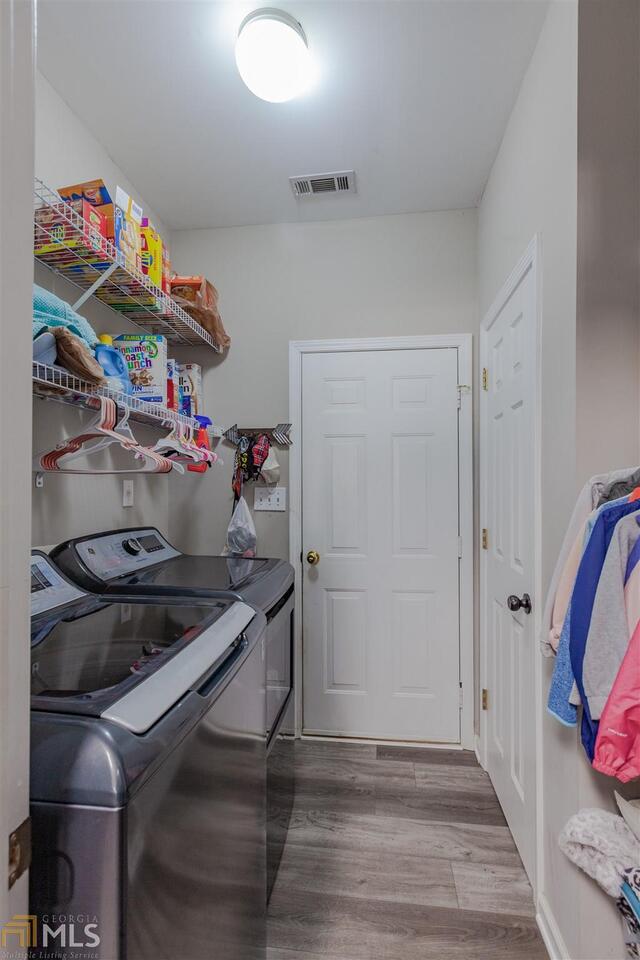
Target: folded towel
[[52, 311], [602, 845]]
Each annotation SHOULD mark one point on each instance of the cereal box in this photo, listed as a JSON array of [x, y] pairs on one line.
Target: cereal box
[[96, 194], [151, 252], [190, 381], [54, 231], [166, 269], [93, 191], [127, 223], [172, 385], [146, 358]]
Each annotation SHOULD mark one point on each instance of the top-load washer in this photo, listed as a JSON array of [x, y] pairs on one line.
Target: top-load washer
[[147, 775], [140, 562]]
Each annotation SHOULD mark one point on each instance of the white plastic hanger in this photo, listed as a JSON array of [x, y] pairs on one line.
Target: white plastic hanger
[[103, 431]]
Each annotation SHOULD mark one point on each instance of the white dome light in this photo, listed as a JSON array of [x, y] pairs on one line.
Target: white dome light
[[272, 55]]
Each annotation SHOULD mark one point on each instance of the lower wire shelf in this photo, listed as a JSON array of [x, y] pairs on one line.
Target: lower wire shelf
[[55, 383]]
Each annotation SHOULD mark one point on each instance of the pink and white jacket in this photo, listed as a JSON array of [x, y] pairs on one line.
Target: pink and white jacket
[[617, 751]]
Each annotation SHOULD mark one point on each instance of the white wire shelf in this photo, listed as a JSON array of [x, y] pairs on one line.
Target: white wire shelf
[[54, 383], [65, 243]]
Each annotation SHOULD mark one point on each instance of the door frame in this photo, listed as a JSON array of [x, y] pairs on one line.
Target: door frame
[[17, 112], [463, 343], [531, 260]]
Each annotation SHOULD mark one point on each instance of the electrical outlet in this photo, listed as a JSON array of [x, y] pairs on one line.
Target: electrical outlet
[[127, 493], [270, 498]]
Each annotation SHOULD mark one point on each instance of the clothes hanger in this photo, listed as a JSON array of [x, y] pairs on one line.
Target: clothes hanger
[[94, 430], [107, 428], [182, 442], [165, 465], [174, 447]]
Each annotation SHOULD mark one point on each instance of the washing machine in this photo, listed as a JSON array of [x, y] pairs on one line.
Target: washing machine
[[142, 562], [148, 778]]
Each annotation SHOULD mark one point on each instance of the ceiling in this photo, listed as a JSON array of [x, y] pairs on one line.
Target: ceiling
[[414, 95]]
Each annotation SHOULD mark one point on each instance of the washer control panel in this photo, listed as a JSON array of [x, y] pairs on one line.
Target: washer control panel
[[113, 555], [48, 588]]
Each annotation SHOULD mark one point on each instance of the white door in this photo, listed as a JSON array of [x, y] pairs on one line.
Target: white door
[[509, 490], [380, 506]]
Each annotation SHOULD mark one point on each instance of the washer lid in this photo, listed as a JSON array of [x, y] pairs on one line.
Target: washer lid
[[88, 654]]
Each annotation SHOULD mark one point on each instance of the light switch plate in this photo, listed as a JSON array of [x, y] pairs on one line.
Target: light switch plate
[[270, 498]]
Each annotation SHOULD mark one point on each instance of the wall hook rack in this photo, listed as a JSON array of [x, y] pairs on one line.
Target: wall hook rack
[[278, 434]]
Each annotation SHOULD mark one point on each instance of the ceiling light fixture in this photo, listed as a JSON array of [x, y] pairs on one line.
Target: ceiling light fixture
[[272, 55]]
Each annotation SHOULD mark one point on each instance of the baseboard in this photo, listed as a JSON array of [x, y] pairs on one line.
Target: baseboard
[[477, 751], [323, 736], [550, 931]]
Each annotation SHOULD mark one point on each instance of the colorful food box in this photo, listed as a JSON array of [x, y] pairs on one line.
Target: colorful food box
[[166, 269], [96, 194], [93, 191], [172, 385], [54, 231], [190, 382], [151, 252], [189, 288], [127, 224], [146, 358]]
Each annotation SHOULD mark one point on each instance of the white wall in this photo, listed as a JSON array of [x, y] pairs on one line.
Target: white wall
[[533, 189], [384, 276], [608, 279], [71, 506], [67, 153]]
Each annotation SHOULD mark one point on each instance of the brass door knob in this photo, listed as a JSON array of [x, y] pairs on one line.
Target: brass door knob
[[313, 557]]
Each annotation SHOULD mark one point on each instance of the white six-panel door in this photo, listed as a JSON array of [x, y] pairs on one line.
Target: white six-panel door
[[509, 494], [380, 505]]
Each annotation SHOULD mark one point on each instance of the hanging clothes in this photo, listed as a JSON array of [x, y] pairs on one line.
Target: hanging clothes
[[632, 597], [609, 633], [559, 701], [564, 697], [582, 602], [628, 904], [598, 490], [617, 748]]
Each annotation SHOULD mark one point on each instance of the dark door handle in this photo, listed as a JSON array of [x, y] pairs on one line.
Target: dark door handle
[[516, 603]]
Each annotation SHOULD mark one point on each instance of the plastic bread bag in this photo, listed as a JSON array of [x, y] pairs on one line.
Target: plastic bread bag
[[241, 533]]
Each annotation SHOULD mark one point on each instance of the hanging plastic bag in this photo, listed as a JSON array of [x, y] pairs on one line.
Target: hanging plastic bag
[[270, 472], [241, 533]]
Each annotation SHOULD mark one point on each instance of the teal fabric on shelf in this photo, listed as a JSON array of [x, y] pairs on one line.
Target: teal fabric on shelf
[[52, 311]]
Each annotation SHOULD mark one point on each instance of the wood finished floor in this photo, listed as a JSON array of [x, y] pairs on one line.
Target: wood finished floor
[[398, 853]]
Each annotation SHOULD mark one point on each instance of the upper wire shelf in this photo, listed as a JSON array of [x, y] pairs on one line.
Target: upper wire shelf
[[54, 383], [65, 243]]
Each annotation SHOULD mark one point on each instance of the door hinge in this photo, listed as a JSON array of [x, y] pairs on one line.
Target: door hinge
[[485, 378], [19, 851], [485, 699], [462, 388], [485, 538], [461, 697], [459, 548]]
